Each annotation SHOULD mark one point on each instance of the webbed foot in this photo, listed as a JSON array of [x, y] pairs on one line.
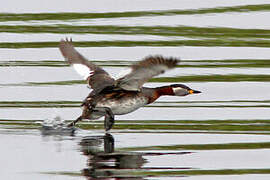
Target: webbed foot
[[74, 122]]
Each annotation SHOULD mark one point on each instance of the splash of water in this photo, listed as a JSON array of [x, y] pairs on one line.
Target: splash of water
[[56, 126]]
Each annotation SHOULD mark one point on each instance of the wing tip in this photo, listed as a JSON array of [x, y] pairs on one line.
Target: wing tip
[[65, 45], [66, 41], [170, 62]]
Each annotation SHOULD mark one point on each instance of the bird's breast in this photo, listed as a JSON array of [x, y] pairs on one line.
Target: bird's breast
[[123, 103]]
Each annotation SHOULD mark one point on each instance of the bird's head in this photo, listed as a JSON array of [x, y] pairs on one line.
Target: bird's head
[[183, 90]]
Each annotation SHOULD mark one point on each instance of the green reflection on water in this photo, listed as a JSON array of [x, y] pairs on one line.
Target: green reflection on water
[[72, 16], [215, 126], [195, 78], [187, 31], [226, 63], [208, 42], [171, 173], [231, 146]]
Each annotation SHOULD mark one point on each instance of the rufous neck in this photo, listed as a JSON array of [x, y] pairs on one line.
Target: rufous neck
[[159, 91], [165, 90]]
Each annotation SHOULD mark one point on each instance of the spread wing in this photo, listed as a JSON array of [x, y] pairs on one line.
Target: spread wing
[[96, 77], [144, 70]]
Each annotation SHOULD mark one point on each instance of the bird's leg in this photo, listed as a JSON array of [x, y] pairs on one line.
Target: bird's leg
[[109, 117], [74, 122], [89, 109]]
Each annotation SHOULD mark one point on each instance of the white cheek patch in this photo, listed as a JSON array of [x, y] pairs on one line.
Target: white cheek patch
[[177, 89], [83, 70]]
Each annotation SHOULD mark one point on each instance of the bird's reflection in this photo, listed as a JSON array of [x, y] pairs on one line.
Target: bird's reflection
[[104, 163]]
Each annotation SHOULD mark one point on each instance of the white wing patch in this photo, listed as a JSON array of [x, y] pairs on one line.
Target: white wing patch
[[83, 70]]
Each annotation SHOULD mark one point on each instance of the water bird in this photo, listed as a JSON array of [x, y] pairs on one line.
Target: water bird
[[109, 96]]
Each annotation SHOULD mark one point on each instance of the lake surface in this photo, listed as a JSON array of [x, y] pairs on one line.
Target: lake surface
[[222, 133]]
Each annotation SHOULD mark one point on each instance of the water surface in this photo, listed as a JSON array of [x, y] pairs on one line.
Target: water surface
[[222, 133]]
